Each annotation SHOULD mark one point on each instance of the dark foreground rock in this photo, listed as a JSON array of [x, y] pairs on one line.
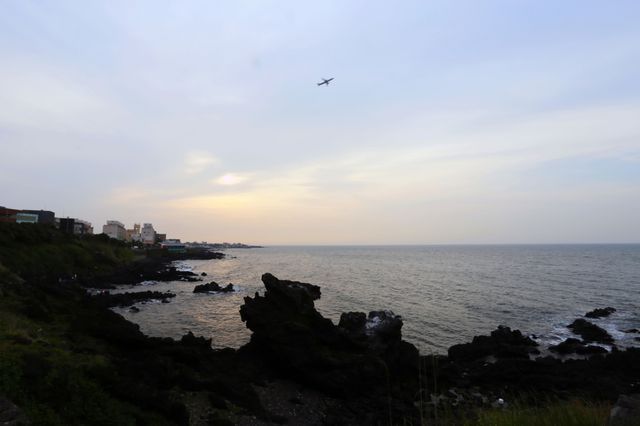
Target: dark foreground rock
[[10, 414], [502, 343], [148, 269], [600, 312], [364, 363], [575, 346], [109, 300], [590, 332], [213, 287], [626, 411]]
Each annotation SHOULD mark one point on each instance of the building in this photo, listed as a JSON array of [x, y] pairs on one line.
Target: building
[[161, 237], [75, 226], [8, 215], [22, 217], [44, 216], [82, 227], [133, 234], [115, 229], [148, 234], [173, 246]]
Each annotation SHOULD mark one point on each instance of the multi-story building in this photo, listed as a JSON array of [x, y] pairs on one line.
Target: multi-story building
[[8, 215], [75, 226], [44, 216], [22, 217], [148, 234], [27, 216], [115, 229], [133, 234]]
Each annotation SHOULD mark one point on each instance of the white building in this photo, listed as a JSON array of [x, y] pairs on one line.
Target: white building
[[115, 229], [148, 234]]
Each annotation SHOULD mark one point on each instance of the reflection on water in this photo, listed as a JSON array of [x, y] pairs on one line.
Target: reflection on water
[[446, 294]]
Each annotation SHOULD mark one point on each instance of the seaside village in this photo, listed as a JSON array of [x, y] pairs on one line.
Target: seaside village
[[144, 235]]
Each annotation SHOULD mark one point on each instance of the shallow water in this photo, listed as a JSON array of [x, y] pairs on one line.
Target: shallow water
[[445, 294]]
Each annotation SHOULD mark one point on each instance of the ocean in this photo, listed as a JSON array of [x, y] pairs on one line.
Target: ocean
[[445, 294]]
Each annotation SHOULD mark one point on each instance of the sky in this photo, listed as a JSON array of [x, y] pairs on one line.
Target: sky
[[448, 122]]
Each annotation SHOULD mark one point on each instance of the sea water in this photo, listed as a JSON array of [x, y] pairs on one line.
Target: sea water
[[445, 294]]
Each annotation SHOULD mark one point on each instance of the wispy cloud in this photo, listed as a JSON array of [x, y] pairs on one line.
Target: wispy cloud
[[198, 161]]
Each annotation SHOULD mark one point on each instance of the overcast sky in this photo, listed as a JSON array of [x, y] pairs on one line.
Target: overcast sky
[[447, 122]]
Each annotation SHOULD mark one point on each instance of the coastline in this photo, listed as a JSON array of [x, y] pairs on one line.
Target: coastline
[[359, 371]]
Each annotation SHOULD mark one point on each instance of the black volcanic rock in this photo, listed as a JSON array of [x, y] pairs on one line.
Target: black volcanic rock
[[361, 358], [575, 346], [10, 414], [590, 332], [190, 340], [213, 287], [600, 312], [123, 300], [503, 343]]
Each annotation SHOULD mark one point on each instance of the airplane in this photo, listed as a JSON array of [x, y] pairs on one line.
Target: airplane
[[325, 81]]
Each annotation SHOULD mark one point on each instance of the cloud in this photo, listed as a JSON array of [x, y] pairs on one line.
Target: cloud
[[197, 162], [231, 179], [36, 95]]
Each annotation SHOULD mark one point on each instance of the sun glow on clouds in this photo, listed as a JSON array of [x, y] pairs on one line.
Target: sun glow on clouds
[[230, 179]]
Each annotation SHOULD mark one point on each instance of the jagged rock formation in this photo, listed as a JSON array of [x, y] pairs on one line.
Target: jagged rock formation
[[362, 359], [590, 332]]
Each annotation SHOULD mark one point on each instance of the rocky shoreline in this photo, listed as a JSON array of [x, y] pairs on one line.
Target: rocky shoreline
[[370, 374], [68, 358]]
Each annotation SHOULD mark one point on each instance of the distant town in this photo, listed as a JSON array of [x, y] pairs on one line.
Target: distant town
[[141, 236]]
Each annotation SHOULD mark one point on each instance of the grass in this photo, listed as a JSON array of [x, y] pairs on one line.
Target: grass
[[524, 410], [561, 413]]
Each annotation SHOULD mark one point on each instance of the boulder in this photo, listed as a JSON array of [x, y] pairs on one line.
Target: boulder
[[590, 332], [213, 287], [575, 346], [626, 411], [600, 312], [10, 414], [502, 343], [190, 340]]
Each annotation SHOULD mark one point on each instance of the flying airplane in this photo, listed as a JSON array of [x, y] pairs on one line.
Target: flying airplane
[[325, 81]]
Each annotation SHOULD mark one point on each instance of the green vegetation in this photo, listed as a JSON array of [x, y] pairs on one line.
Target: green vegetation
[[49, 372], [552, 413], [66, 360], [40, 253], [562, 413]]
